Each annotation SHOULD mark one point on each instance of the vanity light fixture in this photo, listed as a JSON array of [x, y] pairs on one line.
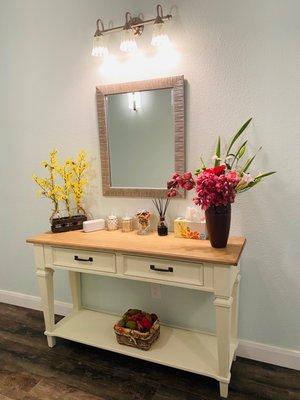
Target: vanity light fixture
[[134, 27], [128, 42], [134, 100], [160, 37], [99, 43]]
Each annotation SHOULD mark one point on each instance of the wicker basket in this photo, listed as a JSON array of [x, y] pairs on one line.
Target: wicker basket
[[134, 338]]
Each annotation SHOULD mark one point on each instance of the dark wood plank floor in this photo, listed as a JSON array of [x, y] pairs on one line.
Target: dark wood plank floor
[[29, 370]]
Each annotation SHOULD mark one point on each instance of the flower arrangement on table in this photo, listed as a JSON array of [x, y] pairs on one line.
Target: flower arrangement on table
[[216, 187], [65, 184]]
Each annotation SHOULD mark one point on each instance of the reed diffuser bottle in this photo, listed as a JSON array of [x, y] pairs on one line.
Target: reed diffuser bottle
[[161, 206], [162, 228]]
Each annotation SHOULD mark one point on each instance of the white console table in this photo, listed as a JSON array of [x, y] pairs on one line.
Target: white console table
[[165, 260]]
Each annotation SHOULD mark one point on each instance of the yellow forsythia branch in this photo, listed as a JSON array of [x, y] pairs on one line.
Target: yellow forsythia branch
[[65, 171], [73, 177], [48, 186], [79, 169]]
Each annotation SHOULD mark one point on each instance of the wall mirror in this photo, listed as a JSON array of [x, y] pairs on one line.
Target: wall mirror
[[141, 128]]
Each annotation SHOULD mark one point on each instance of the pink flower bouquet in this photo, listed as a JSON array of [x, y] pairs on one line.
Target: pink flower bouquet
[[216, 187]]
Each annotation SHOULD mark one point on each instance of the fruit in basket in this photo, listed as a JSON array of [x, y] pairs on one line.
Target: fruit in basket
[[146, 323], [122, 323], [153, 318], [138, 320], [136, 317], [131, 325], [133, 312]]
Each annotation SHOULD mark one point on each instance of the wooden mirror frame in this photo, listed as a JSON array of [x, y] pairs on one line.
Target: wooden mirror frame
[[177, 84]]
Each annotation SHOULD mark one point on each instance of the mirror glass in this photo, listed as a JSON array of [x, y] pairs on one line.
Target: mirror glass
[[141, 143]]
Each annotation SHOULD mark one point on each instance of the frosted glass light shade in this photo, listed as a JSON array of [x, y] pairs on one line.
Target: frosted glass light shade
[[159, 37], [99, 46], [128, 43]]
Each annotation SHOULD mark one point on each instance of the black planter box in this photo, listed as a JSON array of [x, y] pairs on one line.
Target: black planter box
[[66, 224]]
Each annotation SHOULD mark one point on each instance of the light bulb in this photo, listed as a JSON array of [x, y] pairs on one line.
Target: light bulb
[[128, 43], [134, 101], [99, 46], [160, 37]]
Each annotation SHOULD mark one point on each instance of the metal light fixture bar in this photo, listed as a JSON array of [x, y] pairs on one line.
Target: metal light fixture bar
[[134, 26], [135, 22]]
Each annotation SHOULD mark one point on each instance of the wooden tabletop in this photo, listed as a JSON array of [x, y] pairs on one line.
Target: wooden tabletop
[[151, 245]]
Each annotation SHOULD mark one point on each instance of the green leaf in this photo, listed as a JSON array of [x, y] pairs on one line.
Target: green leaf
[[247, 164], [218, 152], [238, 134], [256, 181], [241, 150], [249, 186], [264, 175], [249, 161], [239, 154], [203, 163]]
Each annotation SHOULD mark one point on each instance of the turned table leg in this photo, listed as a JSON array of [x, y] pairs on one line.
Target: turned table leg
[[223, 389], [235, 311], [223, 325], [45, 281]]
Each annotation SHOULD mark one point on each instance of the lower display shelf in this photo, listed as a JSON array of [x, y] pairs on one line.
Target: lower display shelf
[[179, 348]]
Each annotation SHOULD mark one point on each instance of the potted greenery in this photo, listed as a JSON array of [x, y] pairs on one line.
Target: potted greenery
[[216, 186], [65, 185]]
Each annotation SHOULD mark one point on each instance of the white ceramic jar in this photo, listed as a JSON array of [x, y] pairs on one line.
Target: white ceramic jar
[[112, 223]]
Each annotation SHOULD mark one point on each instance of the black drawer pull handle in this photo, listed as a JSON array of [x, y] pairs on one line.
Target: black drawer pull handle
[[90, 259], [153, 268]]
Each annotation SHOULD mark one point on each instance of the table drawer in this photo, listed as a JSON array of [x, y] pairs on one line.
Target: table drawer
[[163, 270], [92, 260]]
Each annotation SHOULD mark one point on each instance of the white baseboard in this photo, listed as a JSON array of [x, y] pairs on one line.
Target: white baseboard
[[253, 350], [269, 354], [33, 302]]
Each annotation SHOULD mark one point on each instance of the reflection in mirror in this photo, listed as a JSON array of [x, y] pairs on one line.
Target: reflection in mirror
[[141, 138], [141, 131]]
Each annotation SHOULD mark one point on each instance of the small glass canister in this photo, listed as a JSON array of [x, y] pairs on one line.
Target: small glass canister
[[127, 224], [143, 218], [112, 223]]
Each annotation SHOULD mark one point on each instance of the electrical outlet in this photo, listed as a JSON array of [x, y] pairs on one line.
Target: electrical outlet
[[155, 291]]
